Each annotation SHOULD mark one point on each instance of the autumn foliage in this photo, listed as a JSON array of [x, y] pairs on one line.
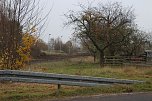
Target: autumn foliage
[[19, 20], [22, 53], [24, 50]]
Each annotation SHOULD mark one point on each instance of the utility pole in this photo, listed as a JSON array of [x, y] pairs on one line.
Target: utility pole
[[49, 43]]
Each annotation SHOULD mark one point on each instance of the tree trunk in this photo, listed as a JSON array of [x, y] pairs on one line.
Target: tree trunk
[[94, 56], [101, 58]]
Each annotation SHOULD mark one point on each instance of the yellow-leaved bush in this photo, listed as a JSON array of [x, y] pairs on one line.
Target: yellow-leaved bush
[[17, 58], [25, 50]]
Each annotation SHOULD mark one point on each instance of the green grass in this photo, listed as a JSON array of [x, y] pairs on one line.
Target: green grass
[[78, 66], [91, 69]]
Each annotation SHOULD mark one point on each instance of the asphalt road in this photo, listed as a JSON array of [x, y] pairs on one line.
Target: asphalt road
[[119, 97]]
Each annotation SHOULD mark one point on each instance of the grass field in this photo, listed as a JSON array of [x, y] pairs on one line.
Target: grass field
[[76, 66]]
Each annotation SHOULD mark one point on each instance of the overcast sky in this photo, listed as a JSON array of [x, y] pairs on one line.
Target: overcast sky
[[142, 9]]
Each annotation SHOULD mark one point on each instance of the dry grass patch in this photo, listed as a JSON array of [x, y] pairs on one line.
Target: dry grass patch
[[31, 92]]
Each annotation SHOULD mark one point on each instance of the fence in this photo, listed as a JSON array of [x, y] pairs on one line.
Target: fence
[[113, 60], [122, 60]]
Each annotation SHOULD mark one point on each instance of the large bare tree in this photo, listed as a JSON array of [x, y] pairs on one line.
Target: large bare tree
[[104, 25]]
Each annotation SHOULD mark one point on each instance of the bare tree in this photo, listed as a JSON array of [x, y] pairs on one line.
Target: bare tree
[[104, 25], [57, 43], [67, 47]]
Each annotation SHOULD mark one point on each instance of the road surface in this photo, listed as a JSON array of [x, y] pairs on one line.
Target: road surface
[[114, 97]]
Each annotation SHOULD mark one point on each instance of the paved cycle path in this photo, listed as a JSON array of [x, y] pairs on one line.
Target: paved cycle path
[[113, 97]]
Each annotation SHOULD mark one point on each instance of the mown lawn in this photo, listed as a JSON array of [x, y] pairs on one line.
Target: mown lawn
[[76, 66]]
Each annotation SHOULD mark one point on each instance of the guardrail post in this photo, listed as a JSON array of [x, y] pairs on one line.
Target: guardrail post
[[58, 89]]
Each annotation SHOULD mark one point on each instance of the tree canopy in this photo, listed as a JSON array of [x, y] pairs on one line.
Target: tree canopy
[[104, 25]]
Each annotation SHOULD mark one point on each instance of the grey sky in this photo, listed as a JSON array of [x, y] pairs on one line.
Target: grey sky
[[143, 12]]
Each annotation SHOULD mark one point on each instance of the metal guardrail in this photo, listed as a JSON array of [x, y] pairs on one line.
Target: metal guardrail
[[60, 79]]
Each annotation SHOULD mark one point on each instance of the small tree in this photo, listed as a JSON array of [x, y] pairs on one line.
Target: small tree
[[20, 26], [58, 44], [67, 47]]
